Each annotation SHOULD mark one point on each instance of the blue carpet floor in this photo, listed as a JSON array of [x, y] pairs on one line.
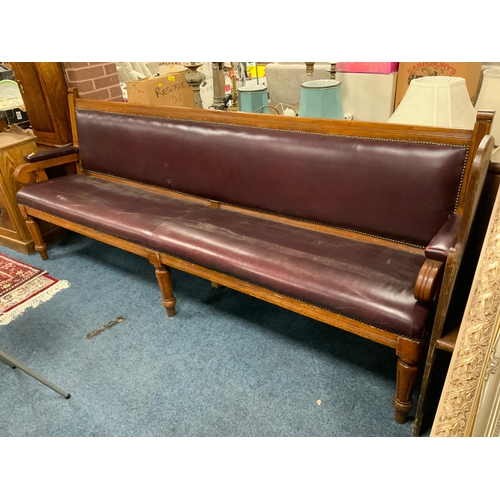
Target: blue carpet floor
[[226, 365]]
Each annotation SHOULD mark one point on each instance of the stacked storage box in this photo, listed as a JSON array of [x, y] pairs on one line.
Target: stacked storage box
[[368, 89]]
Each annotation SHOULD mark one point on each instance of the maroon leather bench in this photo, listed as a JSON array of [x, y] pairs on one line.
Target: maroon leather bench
[[359, 225]]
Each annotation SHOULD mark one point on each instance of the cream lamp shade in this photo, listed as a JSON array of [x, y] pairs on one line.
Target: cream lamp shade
[[438, 101], [489, 98]]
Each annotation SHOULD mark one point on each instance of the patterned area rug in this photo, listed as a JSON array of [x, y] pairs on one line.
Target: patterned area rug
[[23, 286]]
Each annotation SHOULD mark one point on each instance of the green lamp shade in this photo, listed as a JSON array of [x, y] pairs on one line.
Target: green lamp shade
[[253, 99], [321, 99]]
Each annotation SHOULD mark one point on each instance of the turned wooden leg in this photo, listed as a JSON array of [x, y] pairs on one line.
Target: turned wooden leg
[[165, 281], [164, 277], [409, 354], [405, 383], [36, 234]]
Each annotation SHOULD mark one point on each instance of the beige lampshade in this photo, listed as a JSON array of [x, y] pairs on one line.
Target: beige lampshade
[[489, 98], [438, 101]]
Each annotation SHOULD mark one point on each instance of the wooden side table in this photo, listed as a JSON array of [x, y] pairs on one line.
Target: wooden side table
[[13, 231]]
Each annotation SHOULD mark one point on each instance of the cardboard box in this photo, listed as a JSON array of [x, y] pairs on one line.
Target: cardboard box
[[168, 68], [470, 71], [367, 67], [166, 90]]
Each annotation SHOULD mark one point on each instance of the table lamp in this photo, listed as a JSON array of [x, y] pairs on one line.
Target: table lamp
[[438, 101], [321, 99], [253, 99], [489, 98], [195, 80]]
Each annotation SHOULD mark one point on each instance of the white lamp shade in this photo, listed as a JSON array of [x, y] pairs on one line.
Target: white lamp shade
[[489, 99], [438, 101]]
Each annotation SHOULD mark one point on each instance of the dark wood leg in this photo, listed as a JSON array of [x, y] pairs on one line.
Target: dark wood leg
[[164, 277], [405, 383], [36, 234], [422, 400], [409, 354]]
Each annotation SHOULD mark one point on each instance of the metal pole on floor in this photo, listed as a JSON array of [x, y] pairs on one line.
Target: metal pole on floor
[[13, 363]]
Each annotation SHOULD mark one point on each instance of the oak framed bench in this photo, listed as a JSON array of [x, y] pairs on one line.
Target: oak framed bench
[[358, 225]]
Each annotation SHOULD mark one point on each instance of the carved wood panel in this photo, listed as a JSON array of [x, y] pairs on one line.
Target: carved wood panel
[[472, 381]]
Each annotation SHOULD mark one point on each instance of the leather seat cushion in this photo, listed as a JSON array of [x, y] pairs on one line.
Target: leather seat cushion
[[364, 281]]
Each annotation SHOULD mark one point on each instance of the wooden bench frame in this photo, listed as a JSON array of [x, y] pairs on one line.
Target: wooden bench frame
[[435, 279]]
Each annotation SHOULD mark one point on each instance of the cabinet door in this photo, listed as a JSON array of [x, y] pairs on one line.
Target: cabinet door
[[45, 95]]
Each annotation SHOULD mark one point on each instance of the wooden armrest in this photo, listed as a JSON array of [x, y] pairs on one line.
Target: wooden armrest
[[445, 239], [50, 153], [429, 280], [35, 171], [431, 273]]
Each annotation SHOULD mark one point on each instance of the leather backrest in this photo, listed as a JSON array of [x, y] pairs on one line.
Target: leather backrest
[[400, 190]]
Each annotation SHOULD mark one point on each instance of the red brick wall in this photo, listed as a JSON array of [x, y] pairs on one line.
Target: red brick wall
[[94, 80]]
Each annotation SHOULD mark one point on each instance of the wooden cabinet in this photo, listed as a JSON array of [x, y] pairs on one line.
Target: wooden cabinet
[[13, 231], [45, 94]]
